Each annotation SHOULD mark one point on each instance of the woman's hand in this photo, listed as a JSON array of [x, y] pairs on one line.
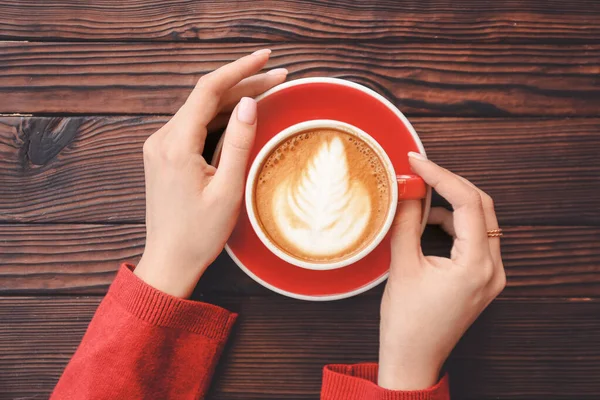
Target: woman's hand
[[191, 207], [429, 302]]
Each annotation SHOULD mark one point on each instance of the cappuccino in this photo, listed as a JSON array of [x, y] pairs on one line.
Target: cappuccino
[[322, 195]]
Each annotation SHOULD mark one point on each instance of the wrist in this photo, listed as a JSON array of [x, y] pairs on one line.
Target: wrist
[[171, 275], [405, 365], [406, 375]]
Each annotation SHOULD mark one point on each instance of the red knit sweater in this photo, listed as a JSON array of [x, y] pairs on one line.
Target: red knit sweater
[[144, 344]]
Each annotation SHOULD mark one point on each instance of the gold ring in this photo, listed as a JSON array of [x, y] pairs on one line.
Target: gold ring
[[495, 233]]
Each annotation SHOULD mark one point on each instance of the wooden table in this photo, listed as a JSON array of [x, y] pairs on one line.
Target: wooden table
[[505, 93]]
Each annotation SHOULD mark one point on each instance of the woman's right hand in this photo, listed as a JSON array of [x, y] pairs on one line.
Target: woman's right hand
[[191, 206], [429, 302]]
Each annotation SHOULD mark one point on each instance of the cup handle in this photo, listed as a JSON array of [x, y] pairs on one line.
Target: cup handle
[[411, 187]]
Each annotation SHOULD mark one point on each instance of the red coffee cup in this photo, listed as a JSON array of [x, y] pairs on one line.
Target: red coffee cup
[[309, 99], [402, 187]]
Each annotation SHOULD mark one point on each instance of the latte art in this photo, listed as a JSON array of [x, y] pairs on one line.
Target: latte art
[[322, 213], [322, 195]]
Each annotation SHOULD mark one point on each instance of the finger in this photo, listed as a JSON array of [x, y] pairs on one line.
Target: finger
[[252, 87], [249, 87], [406, 233], [239, 138], [203, 103], [469, 221], [211, 87], [491, 221], [442, 217]]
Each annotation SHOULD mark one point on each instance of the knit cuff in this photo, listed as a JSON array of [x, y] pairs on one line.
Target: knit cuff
[[358, 381], [160, 309]]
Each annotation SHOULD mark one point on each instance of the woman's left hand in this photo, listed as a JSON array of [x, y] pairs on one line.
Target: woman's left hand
[[429, 302], [192, 207]]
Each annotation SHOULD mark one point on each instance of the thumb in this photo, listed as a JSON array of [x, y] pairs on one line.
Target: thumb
[[239, 138], [406, 231]]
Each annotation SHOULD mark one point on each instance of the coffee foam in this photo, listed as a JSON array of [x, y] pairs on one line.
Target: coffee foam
[[322, 195]]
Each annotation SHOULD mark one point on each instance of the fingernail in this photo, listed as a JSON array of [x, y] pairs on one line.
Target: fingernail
[[278, 71], [417, 156], [246, 111], [261, 52]]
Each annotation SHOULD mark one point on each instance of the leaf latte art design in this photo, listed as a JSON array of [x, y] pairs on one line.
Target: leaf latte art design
[[322, 212]]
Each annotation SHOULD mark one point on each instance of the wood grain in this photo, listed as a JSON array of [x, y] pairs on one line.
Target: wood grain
[[421, 79], [90, 170], [516, 350], [62, 259], [73, 168], [65, 258], [188, 20]]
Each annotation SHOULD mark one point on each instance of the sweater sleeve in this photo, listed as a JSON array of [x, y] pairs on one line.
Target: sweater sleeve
[[143, 343], [358, 381]]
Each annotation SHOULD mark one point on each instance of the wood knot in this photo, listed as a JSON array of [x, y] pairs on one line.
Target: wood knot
[[48, 136]]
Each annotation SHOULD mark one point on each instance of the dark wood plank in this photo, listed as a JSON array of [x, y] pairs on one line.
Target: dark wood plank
[[68, 167], [516, 350], [89, 169], [422, 79], [188, 20], [66, 258], [61, 259]]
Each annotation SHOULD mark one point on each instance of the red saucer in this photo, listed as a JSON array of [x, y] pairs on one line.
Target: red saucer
[[323, 98]]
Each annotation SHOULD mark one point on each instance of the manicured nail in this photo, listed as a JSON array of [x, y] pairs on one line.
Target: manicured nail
[[278, 71], [417, 156], [246, 111], [261, 52]]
